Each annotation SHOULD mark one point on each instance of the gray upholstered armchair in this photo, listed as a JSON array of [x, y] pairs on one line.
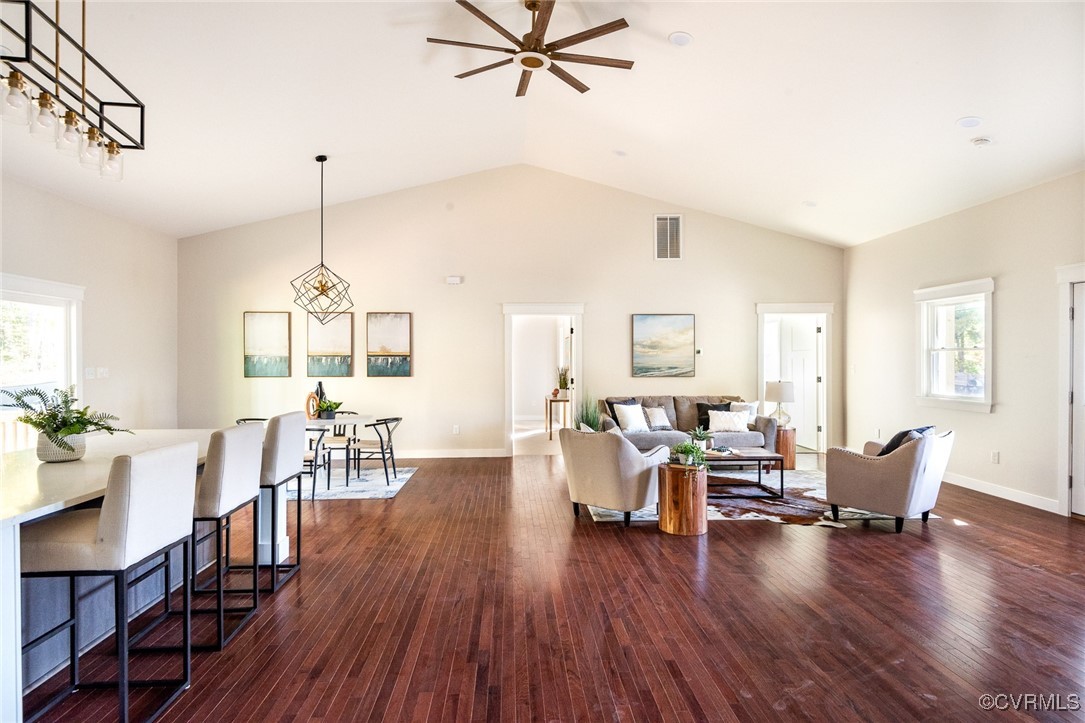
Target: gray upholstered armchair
[[903, 483], [606, 470]]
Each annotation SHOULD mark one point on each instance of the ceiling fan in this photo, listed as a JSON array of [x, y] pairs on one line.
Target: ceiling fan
[[532, 52]]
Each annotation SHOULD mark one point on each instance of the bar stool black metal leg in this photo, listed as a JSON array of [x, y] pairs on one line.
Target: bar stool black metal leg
[[120, 605]]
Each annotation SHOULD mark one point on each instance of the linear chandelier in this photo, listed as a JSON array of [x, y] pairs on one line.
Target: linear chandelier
[[321, 291], [53, 94]]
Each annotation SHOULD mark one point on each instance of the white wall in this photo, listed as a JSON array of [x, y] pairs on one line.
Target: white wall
[[536, 355], [130, 303], [516, 234], [1018, 240]]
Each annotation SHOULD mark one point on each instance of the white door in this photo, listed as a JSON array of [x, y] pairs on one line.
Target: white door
[[1077, 444], [799, 359]]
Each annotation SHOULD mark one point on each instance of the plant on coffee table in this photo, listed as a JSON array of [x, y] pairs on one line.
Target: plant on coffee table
[[701, 437]]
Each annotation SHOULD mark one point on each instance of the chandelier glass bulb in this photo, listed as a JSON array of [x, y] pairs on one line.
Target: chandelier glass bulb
[[16, 100], [90, 149], [69, 134], [112, 162], [43, 126]]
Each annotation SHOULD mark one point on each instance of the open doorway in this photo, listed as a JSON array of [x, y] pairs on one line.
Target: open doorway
[[794, 343], [540, 339]]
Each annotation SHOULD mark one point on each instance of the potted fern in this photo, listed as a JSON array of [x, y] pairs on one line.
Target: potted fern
[[61, 425]]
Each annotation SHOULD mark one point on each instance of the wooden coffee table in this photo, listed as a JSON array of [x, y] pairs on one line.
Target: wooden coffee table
[[717, 461]]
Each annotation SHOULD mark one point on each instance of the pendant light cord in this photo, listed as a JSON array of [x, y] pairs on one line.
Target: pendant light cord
[[322, 213]]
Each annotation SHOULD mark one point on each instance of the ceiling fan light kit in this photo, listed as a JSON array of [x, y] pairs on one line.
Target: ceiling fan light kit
[[531, 52], [56, 101]]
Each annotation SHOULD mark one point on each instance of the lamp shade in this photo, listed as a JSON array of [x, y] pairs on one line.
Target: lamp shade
[[779, 392]]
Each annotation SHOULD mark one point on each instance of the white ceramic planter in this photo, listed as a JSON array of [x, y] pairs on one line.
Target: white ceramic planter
[[49, 452]]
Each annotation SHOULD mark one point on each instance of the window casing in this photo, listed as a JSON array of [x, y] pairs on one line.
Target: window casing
[[955, 344]]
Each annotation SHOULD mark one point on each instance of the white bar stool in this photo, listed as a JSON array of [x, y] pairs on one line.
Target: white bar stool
[[230, 482], [146, 512]]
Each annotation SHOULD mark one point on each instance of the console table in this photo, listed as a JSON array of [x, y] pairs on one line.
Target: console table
[[549, 402]]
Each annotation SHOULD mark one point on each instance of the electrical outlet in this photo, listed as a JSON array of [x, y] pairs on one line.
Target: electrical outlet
[[455, 429], [994, 458], [88, 373]]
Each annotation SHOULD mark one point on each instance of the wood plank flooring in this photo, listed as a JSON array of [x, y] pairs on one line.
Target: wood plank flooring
[[476, 595]]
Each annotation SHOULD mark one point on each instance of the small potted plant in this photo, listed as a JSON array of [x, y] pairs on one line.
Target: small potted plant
[[326, 408], [587, 413], [563, 379], [688, 453], [701, 437], [60, 424]]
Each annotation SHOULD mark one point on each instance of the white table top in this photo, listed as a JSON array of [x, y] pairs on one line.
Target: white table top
[[30, 489], [345, 420]]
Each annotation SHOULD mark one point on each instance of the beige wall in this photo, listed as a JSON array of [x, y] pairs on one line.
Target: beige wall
[[517, 234], [130, 302], [1018, 240]]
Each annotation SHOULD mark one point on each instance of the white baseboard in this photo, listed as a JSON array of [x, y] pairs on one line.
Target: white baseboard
[[432, 453], [530, 418], [1025, 498]]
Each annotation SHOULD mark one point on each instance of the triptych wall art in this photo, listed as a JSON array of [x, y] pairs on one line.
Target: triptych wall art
[[329, 347]]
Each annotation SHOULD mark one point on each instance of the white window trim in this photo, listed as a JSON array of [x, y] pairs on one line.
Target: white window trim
[[25, 288], [949, 294]]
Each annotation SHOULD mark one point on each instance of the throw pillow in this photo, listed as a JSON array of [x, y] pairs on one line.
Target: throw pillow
[[727, 421], [704, 407], [586, 428], [631, 417], [611, 405], [615, 431], [750, 407], [903, 436], [657, 419]]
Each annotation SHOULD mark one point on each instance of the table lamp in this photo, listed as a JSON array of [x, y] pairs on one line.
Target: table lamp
[[780, 392]]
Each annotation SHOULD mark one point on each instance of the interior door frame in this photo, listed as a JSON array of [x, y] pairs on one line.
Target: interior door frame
[[573, 310], [1066, 277], [824, 391]]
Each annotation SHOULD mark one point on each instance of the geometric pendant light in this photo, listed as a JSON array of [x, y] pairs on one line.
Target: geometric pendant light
[[320, 291]]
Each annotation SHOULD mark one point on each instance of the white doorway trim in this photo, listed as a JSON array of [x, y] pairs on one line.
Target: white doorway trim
[[1066, 277], [827, 390], [574, 310]]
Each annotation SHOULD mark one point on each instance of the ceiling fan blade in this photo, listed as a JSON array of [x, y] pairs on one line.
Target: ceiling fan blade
[[592, 60], [568, 78], [538, 30], [462, 44], [525, 78], [490, 21], [484, 68], [605, 29]]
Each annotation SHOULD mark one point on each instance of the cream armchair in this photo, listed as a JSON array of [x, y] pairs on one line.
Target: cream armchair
[[607, 470], [903, 483]]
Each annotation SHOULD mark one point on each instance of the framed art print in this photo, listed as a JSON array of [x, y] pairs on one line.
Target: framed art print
[[388, 344], [330, 346], [267, 343], [664, 345]]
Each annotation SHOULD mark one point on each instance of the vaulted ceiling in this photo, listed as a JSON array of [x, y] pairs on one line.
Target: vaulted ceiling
[[832, 121]]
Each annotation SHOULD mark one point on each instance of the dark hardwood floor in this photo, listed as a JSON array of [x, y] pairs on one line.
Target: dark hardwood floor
[[476, 595]]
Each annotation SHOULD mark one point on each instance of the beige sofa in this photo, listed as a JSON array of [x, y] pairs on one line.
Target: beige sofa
[[682, 413]]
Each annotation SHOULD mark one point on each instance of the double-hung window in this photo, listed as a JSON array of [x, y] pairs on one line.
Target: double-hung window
[[955, 343]]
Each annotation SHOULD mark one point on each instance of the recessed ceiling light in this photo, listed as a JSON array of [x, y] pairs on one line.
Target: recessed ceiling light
[[810, 204], [619, 152], [981, 141], [680, 38], [969, 121]]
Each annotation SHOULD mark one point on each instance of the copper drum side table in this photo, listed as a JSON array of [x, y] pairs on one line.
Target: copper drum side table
[[683, 499]]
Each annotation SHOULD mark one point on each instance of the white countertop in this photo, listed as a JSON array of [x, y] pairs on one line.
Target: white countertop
[[30, 488]]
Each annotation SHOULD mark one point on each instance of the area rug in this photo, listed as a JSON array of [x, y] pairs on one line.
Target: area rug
[[370, 486], [803, 503]]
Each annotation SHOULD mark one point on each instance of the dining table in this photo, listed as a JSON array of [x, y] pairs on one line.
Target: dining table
[[31, 489]]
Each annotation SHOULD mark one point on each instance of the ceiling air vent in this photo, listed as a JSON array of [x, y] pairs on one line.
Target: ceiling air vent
[[668, 237]]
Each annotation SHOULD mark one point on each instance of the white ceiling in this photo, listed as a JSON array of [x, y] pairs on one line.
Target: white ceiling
[[774, 108]]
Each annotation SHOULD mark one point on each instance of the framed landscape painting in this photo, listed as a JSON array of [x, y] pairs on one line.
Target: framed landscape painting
[[664, 345], [267, 343], [331, 346], [388, 344]]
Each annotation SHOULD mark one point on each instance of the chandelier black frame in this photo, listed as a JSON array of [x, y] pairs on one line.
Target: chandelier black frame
[[50, 76], [321, 291]]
